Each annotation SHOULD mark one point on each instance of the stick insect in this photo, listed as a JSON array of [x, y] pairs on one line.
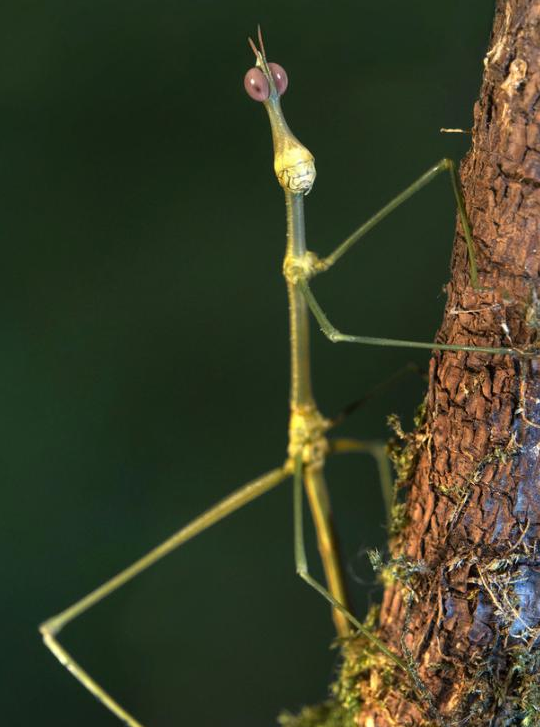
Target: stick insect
[[308, 445]]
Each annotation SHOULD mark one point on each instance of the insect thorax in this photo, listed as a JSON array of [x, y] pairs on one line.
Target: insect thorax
[[306, 434]]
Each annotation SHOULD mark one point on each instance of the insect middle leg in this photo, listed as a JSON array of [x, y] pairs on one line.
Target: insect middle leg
[[444, 165]]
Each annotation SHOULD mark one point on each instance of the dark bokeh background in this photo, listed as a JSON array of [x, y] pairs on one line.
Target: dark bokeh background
[[144, 367]]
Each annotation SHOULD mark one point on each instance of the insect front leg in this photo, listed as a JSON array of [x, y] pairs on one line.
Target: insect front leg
[[444, 165]]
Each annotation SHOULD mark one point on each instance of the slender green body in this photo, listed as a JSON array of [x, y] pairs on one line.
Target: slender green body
[[307, 426], [301, 393]]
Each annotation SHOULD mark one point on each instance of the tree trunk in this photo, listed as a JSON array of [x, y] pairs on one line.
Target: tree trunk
[[462, 597]]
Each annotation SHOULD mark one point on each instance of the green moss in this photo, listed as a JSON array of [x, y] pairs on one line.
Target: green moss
[[397, 570], [499, 454], [517, 688], [529, 702], [399, 519], [345, 702], [360, 657], [404, 447], [328, 714], [403, 450]]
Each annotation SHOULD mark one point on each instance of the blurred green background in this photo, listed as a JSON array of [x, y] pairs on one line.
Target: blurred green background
[[144, 363]]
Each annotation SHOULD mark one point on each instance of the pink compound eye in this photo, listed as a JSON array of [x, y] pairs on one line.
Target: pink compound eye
[[280, 77], [256, 85]]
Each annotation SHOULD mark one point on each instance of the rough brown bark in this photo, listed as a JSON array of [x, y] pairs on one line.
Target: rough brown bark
[[462, 602]]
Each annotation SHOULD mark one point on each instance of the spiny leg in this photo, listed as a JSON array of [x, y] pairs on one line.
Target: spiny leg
[[336, 336], [378, 451], [51, 628], [444, 165], [303, 570]]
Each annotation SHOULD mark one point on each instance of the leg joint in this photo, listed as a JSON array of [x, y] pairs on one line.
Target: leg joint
[[302, 267], [335, 336], [49, 628]]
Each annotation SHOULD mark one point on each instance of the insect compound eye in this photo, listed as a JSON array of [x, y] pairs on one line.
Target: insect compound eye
[[256, 85], [280, 77]]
